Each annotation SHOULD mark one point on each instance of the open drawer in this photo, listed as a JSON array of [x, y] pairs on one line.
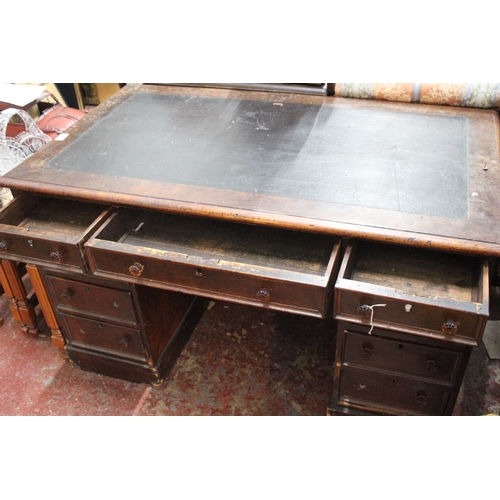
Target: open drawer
[[48, 231], [275, 268], [419, 291]]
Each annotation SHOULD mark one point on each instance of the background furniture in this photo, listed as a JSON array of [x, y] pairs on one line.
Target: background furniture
[[472, 95]]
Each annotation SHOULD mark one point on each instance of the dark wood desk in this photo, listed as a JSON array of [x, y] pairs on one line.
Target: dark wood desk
[[161, 182], [406, 173]]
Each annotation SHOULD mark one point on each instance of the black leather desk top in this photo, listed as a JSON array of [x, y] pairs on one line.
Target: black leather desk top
[[326, 164]]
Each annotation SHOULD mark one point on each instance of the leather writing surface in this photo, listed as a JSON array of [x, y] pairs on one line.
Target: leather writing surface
[[399, 161]]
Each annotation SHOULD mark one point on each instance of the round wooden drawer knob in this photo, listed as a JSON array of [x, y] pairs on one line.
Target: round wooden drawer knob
[[449, 326], [431, 366], [56, 256], [136, 269], [264, 295], [421, 399], [3, 246], [367, 350], [365, 310], [124, 342]]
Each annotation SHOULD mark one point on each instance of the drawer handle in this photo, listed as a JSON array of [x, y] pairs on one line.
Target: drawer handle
[[264, 295], [56, 256], [136, 269], [3, 246], [365, 310], [367, 350], [449, 326], [431, 366], [124, 342], [67, 295], [421, 399]]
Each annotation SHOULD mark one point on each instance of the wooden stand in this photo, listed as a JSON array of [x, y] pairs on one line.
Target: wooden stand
[[22, 306]]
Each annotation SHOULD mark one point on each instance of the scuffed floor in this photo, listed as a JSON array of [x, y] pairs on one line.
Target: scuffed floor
[[480, 391], [239, 361]]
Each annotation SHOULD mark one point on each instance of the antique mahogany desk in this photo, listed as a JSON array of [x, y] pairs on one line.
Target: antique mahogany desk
[[385, 215]]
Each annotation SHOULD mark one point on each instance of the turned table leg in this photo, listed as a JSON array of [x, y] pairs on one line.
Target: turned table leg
[[2, 291], [46, 307], [21, 307]]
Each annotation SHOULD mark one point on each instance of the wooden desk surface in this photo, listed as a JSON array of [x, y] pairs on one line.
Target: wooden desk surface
[[404, 173]]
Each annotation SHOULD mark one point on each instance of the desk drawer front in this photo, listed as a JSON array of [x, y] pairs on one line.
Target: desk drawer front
[[218, 283], [405, 358], [433, 293], [34, 229], [101, 301], [104, 337], [27, 248], [256, 265], [447, 323], [393, 393]]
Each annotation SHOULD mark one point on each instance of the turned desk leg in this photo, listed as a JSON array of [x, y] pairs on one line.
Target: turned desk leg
[[2, 291], [20, 306], [46, 307]]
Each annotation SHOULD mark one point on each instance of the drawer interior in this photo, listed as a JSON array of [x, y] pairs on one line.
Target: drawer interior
[[38, 215], [220, 243], [417, 272]]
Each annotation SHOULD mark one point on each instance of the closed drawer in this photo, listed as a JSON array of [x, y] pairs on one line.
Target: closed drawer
[[275, 268], [102, 301], [371, 352], [423, 292], [391, 393], [103, 337], [48, 230]]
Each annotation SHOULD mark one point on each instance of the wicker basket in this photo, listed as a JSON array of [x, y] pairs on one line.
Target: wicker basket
[[15, 148]]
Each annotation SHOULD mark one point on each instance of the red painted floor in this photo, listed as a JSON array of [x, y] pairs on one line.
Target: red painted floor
[[239, 361]]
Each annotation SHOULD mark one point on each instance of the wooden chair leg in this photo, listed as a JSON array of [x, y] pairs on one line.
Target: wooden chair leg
[[46, 307], [2, 291], [21, 307]]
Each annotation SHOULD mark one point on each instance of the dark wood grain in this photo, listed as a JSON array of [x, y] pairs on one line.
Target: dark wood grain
[[456, 289], [118, 329], [48, 231], [266, 267], [393, 373]]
